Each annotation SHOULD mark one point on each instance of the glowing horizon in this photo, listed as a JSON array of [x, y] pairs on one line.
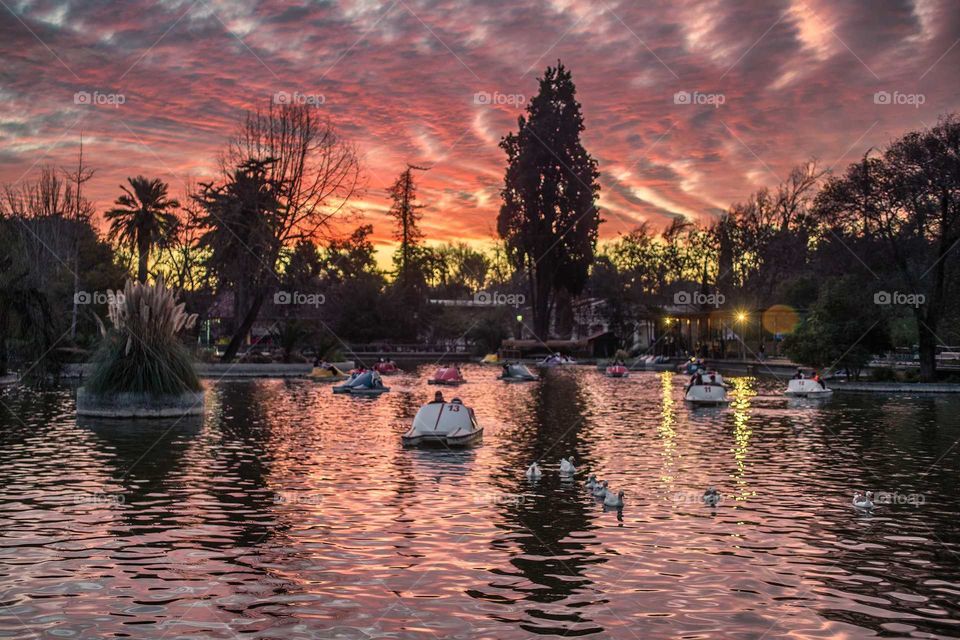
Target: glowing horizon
[[688, 107]]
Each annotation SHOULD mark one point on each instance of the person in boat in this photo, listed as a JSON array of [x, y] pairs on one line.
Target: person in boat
[[506, 370], [818, 379], [713, 377], [438, 398], [456, 401], [696, 379], [799, 374]]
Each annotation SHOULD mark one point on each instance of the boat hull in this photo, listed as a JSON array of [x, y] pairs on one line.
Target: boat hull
[[807, 388], [706, 395], [426, 440]]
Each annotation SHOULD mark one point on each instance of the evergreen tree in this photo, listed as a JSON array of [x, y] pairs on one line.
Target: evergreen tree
[[549, 218]]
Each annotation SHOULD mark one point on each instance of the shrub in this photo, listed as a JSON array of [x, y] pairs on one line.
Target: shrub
[[883, 374], [141, 352]]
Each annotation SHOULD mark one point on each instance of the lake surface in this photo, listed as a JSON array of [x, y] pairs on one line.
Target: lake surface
[[288, 512]]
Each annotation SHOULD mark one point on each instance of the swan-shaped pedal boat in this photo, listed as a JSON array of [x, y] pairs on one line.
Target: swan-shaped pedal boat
[[807, 388], [617, 371], [386, 368], [706, 394], [447, 376], [364, 383], [326, 372], [452, 424], [517, 373]]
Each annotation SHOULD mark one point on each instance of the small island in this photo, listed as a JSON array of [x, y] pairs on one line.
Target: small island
[[141, 369]]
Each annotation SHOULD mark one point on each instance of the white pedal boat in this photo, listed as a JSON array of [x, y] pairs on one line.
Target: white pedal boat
[[706, 394], [807, 388], [445, 423], [517, 373], [367, 383]]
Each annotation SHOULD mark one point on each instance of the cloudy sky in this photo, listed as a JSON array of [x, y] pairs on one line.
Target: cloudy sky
[[689, 104]]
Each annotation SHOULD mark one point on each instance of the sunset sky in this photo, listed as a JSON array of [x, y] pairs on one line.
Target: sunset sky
[[796, 79]]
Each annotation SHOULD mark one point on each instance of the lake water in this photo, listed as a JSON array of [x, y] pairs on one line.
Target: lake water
[[288, 512]]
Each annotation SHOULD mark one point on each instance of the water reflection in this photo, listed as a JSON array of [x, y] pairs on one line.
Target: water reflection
[[741, 393], [290, 512]]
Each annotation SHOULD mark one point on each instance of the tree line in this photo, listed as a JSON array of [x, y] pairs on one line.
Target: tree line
[[824, 242]]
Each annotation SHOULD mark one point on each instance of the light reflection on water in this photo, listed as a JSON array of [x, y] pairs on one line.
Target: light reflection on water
[[289, 512]]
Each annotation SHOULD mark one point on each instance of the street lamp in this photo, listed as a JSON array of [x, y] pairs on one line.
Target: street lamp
[[742, 319]]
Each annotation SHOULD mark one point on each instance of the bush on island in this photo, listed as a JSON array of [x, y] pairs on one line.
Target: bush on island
[[141, 352]]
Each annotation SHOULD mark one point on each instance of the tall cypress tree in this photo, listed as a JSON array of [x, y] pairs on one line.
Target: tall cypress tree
[[549, 218]]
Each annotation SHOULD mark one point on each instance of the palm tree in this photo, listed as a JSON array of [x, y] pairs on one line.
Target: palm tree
[[142, 218]]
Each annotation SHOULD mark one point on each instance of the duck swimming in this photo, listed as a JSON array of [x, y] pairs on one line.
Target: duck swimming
[[591, 482], [610, 500], [533, 471], [600, 489], [861, 501], [711, 497], [566, 466]]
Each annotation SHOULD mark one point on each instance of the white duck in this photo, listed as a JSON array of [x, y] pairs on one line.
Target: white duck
[[600, 489], [611, 500], [567, 467], [861, 501], [711, 497], [591, 482], [534, 472]]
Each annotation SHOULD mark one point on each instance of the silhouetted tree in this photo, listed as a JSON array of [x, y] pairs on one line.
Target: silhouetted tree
[[908, 196], [406, 212], [242, 240], [142, 218], [549, 218]]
